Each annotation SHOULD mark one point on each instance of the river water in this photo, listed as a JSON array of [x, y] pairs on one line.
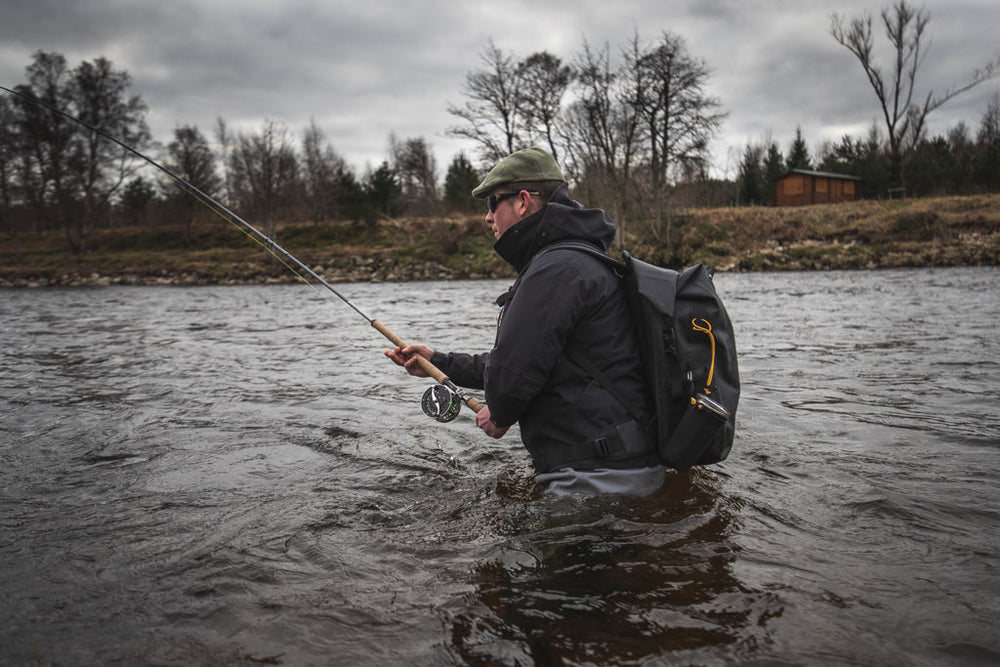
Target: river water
[[234, 475]]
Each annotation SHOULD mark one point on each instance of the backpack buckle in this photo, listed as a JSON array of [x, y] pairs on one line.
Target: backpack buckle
[[714, 407], [602, 447]]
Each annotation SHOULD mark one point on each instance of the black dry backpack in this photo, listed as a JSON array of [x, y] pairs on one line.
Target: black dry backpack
[[688, 355]]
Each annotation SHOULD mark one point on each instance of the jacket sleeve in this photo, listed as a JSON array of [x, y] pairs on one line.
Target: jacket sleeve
[[549, 302], [465, 370]]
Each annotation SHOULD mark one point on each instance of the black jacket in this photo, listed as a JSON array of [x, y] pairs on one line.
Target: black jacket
[[563, 301]]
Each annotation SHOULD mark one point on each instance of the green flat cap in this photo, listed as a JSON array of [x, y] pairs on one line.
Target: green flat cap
[[530, 164]]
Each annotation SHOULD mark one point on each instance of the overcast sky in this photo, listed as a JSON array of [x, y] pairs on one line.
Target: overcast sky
[[365, 69]]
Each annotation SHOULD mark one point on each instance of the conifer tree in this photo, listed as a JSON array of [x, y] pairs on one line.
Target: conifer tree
[[798, 153]]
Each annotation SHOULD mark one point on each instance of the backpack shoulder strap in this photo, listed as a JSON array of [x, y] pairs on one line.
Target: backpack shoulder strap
[[585, 363], [590, 249]]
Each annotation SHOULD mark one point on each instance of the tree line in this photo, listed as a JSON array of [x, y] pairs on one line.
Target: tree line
[[60, 175], [620, 135], [960, 162], [631, 127]]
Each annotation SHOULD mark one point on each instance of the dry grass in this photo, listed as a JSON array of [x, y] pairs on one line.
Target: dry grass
[[863, 234], [855, 235]]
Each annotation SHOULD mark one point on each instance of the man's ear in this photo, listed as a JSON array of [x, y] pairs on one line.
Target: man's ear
[[524, 203]]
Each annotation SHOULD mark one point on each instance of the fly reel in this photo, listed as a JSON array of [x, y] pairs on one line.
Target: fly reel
[[441, 402]]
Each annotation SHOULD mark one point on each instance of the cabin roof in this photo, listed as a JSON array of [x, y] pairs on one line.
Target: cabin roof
[[822, 174]]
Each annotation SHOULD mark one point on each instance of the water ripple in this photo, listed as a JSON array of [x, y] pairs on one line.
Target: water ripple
[[235, 474]]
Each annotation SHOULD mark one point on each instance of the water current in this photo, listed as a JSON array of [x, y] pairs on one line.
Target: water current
[[235, 475]]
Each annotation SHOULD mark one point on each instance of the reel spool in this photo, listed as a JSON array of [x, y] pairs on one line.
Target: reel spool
[[441, 402]]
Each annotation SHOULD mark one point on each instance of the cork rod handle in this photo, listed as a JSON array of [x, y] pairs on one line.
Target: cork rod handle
[[424, 363]]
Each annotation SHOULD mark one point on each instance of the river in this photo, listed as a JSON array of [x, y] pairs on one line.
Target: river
[[235, 475]]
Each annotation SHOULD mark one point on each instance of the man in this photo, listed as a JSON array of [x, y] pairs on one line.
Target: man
[[565, 306]]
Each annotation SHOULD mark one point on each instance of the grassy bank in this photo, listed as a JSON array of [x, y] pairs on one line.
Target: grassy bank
[[946, 231], [952, 231]]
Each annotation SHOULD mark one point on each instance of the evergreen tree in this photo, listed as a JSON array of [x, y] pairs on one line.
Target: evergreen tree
[[351, 200], [774, 168], [383, 191], [751, 176], [928, 167], [798, 153], [461, 180], [135, 200]]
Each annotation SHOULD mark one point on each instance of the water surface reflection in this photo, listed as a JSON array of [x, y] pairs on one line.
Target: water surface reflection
[[610, 581], [235, 475]]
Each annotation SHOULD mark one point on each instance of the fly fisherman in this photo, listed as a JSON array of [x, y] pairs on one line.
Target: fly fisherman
[[563, 304]]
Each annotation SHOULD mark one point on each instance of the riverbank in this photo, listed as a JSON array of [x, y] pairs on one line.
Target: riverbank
[[946, 231]]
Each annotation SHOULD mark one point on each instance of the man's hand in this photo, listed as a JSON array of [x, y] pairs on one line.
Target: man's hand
[[489, 428], [407, 358]]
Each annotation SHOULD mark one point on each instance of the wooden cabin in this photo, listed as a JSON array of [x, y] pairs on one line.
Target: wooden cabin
[[800, 187]]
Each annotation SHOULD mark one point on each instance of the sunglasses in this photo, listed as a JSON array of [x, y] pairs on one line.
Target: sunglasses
[[494, 200]]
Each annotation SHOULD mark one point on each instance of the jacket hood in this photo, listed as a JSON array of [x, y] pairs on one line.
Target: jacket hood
[[560, 220]]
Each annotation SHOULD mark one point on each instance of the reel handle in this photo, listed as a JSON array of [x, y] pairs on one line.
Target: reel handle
[[425, 364]]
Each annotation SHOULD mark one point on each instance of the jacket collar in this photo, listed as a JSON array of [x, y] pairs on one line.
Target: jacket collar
[[562, 218]]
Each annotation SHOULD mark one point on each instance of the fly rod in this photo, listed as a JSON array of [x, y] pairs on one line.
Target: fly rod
[[440, 402]]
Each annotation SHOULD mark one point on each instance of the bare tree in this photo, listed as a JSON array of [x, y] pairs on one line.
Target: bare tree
[[8, 157], [646, 121], [225, 140], [544, 80], [989, 124], [491, 113], [667, 92], [264, 172], [45, 140], [191, 158], [100, 95], [601, 134], [904, 113], [415, 168], [988, 142], [320, 168], [69, 172]]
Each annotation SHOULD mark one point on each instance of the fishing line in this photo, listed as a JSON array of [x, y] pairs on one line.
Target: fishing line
[[442, 401], [214, 205]]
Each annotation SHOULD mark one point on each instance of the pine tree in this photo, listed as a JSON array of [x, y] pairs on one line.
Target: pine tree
[[461, 180], [774, 168], [383, 190], [798, 153], [751, 176]]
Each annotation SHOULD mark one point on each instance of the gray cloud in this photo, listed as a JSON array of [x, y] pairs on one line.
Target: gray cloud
[[362, 70]]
